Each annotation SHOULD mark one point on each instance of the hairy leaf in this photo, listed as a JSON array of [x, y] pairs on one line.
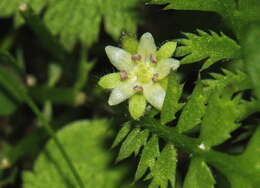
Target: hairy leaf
[[133, 143], [148, 157], [199, 175], [171, 102], [84, 142], [164, 169], [212, 47], [126, 128], [194, 110]]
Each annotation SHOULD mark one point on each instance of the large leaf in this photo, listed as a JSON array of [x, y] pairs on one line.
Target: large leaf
[[80, 20], [212, 47], [199, 175], [83, 140]]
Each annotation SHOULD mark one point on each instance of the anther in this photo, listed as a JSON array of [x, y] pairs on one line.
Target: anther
[[155, 77], [153, 58], [138, 88], [136, 57], [123, 75]]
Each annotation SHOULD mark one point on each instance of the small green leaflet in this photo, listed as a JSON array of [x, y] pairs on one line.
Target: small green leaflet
[[199, 175], [148, 157], [164, 169], [212, 47], [126, 128], [133, 143], [171, 102], [194, 110]]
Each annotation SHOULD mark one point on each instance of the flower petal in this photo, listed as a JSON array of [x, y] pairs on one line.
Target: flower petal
[[146, 45], [164, 67], [110, 81], [122, 92], [155, 95], [119, 58], [137, 104]]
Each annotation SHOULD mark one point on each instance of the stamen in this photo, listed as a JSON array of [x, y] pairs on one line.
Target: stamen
[[155, 77], [123, 75], [138, 88], [153, 58], [136, 57]]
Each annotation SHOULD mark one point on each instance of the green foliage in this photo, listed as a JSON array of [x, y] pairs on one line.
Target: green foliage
[[198, 175], [194, 110], [87, 152], [171, 102], [252, 57], [212, 47], [74, 21], [164, 168], [126, 128]]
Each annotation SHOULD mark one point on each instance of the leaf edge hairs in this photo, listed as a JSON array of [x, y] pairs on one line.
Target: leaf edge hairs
[[142, 71]]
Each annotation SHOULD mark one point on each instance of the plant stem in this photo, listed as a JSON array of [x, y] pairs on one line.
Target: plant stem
[[50, 131]]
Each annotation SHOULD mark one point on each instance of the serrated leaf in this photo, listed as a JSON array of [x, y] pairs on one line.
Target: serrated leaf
[[87, 153], [216, 125], [164, 169], [133, 143], [199, 175], [212, 47], [126, 128], [194, 110], [80, 20], [171, 102], [148, 157]]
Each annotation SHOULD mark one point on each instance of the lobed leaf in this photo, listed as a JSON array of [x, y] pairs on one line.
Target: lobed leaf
[[164, 169], [126, 128], [212, 47]]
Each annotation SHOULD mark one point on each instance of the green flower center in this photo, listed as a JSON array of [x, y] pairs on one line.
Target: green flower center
[[144, 73]]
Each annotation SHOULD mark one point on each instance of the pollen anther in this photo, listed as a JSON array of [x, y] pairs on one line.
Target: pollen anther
[[123, 75], [136, 57], [138, 88]]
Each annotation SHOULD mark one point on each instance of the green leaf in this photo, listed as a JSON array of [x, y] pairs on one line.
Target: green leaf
[[194, 110], [88, 154], [217, 125], [171, 102], [199, 175], [80, 20], [126, 128], [165, 168], [252, 56], [212, 47], [132, 144], [148, 157], [109, 81], [137, 104]]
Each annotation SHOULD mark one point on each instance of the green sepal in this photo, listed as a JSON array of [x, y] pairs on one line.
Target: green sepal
[[137, 104], [109, 81], [166, 50], [130, 44]]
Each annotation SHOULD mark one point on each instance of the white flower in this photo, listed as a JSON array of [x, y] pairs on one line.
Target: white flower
[[139, 74]]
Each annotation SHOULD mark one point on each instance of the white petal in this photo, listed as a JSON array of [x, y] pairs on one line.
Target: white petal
[[121, 93], [164, 67], [119, 58], [146, 45], [155, 95]]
